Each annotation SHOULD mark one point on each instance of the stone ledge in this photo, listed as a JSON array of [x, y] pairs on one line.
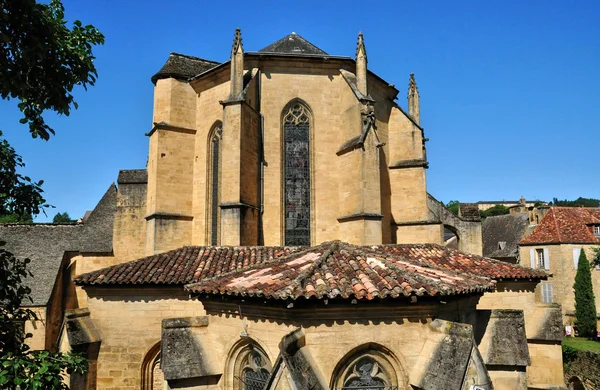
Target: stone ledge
[[168, 126], [185, 322], [361, 216], [171, 216], [416, 163]]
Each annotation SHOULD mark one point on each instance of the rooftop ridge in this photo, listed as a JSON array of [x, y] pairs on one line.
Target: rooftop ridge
[[196, 58]]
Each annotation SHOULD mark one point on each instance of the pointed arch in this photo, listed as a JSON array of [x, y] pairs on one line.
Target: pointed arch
[[152, 376], [213, 196], [248, 366], [298, 205], [367, 366]]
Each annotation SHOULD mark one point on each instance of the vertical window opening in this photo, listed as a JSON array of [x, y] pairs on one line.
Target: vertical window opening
[[215, 184], [296, 129]]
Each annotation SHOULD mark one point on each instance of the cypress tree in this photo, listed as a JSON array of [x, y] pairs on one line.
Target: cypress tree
[[585, 303]]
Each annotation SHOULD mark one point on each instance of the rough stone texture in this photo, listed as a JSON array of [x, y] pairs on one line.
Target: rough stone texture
[[467, 229], [45, 244], [304, 373], [81, 330], [501, 235], [502, 338], [584, 369], [445, 358], [184, 355], [293, 44], [182, 67]]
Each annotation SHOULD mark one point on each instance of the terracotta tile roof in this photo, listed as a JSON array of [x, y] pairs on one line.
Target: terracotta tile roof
[[337, 269], [445, 258], [184, 265], [565, 225]]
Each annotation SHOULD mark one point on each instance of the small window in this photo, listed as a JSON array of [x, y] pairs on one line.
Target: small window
[[597, 230], [547, 292], [541, 261]]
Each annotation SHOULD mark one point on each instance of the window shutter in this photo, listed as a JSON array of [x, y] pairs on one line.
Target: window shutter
[[546, 258], [576, 253], [547, 292], [532, 257]]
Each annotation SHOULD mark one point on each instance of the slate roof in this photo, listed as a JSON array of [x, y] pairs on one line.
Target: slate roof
[[563, 225], [184, 265], [293, 44], [45, 244], [502, 233], [182, 67], [332, 269]]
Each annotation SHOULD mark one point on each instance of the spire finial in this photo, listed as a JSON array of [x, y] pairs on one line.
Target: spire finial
[[360, 46], [237, 41], [412, 86], [413, 99]]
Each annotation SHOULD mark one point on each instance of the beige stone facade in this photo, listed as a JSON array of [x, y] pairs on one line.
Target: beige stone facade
[[561, 260], [216, 174]]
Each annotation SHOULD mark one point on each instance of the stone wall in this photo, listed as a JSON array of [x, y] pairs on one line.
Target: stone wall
[[562, 267], [129, 321], [585, 370]]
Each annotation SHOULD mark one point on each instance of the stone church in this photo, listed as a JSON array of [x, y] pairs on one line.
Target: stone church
[[282, 237]]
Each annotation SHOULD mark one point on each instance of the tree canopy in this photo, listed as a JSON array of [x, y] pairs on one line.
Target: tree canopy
[[62, 218], [584, 202], [585, 302], [41, 61]]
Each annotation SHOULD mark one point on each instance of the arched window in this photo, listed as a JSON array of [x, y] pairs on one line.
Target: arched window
[[368, 369], [152, 375], [296, 175], [214, 182], [250, 366], [366, 373]]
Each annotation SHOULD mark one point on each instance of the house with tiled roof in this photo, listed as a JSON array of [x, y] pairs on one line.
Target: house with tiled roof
[[555, 245], [282, 237]]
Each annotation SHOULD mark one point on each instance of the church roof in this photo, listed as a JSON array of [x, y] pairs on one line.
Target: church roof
[[293, 44], [184, 265], [182, 67], [45, 244], [327, 270], [502, 233], [562, 225]]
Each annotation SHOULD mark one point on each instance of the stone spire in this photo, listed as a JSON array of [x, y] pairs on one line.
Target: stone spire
[[237, 66], [413, 100], [361, 65]]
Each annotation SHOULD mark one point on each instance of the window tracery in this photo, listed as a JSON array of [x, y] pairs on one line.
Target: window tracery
[[215, 152], [255, 373], [366, 374], [251, 368], [296, 129]]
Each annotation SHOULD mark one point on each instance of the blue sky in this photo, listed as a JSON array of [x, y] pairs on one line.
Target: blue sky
[[510, 90]]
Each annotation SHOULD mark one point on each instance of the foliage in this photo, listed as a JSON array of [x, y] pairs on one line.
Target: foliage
[[585, 303], [493, 211], [569, 352], [584, 202], [42, 59], [20, 197], [62, 218], [15, 218], [580, 344], [19, 366], [453, 206], [596, 260]]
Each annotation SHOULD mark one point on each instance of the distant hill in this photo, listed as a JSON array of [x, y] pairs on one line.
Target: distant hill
[[579, 202]]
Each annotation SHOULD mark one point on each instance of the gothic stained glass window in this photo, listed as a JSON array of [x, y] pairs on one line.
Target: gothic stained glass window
[[214, 184], [296, 129], [255, 372], [367, 374]]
